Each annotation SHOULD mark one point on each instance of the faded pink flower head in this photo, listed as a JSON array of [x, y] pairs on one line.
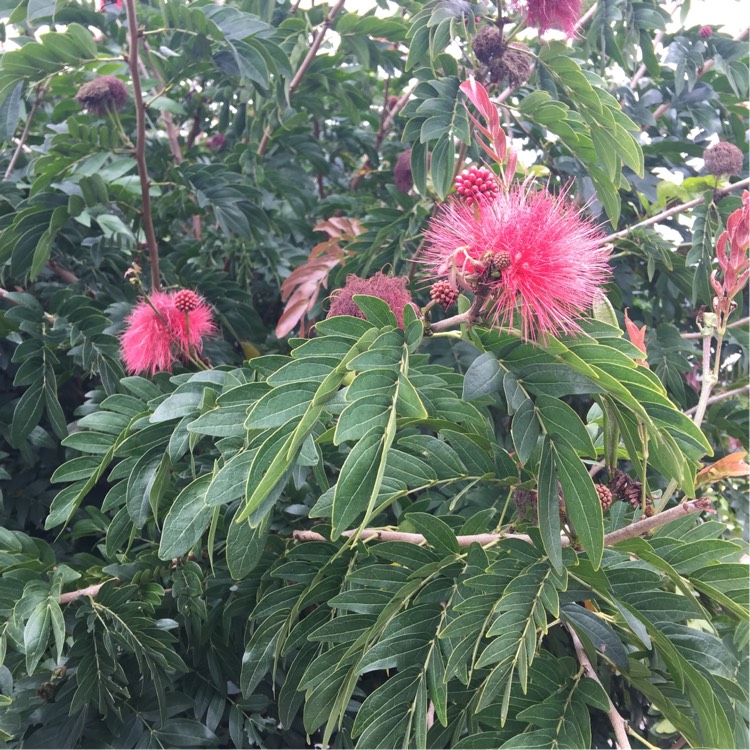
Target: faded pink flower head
[[160, 333], [102, 95], [551, 14], [527, 251], [391, 289]]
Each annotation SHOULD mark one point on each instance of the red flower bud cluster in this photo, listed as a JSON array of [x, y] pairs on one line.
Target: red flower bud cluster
[[475, 182]]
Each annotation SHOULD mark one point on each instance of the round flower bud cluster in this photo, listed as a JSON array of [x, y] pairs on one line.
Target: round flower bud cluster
[[442, 293], [186, 300], [605, 496], [474, 182]]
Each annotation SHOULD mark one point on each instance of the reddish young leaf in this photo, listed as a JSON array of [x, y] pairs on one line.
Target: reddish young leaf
[[302, 287]]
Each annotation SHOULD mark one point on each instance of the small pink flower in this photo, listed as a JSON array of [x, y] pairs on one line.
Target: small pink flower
[[159, 333], [706, 32], [526, 251], [551, 14]]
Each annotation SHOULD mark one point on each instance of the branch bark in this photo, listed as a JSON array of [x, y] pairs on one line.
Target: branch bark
[[618, 723], [71, 596], [297, 79], [721, 396], [676, 210], [385, 535], [140, 145], [736, 324], [627, 532]]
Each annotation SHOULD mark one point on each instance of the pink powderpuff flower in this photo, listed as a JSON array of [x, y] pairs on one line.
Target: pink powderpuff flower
[[526, 251], [163, 331], [551, 14]]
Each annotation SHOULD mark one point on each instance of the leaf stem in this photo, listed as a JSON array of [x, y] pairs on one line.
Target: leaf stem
[[297, 79]]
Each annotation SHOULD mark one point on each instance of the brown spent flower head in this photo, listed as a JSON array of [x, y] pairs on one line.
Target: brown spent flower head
[[402, 177], [723, 159], [102, 95], [474, 182], [627, 489], [488, 44], [706, 32], [442, 293], [605, 495], [216, 142], [513, 66], [391, 289], [186, 300]]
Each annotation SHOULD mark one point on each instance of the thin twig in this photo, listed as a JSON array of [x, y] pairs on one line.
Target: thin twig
[[676, 210], [585, 18], [140, 146], [40, 90], [618, 723], [735, 324], [385, 126], [642, 68], [662, 108], [721, 396], [627, 532], [295, 82], [465, 317], [62, 273]]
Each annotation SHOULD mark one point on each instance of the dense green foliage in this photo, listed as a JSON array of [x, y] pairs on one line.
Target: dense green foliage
[[218, 514]]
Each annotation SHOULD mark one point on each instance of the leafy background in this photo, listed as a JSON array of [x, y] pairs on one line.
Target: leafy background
[[268, 188]]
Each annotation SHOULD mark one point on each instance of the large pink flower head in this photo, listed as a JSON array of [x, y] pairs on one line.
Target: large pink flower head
[[551, 14], [165, 329], [527, 251]]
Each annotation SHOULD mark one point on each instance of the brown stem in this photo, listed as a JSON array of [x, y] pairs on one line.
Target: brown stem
[[62, 273], [721, 396], [628, 532], [735, 324], [618, 723], [71, 596], [40, 90], [676, 210], [466, 317], [295, 82], [662, 108], [140, 145]]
